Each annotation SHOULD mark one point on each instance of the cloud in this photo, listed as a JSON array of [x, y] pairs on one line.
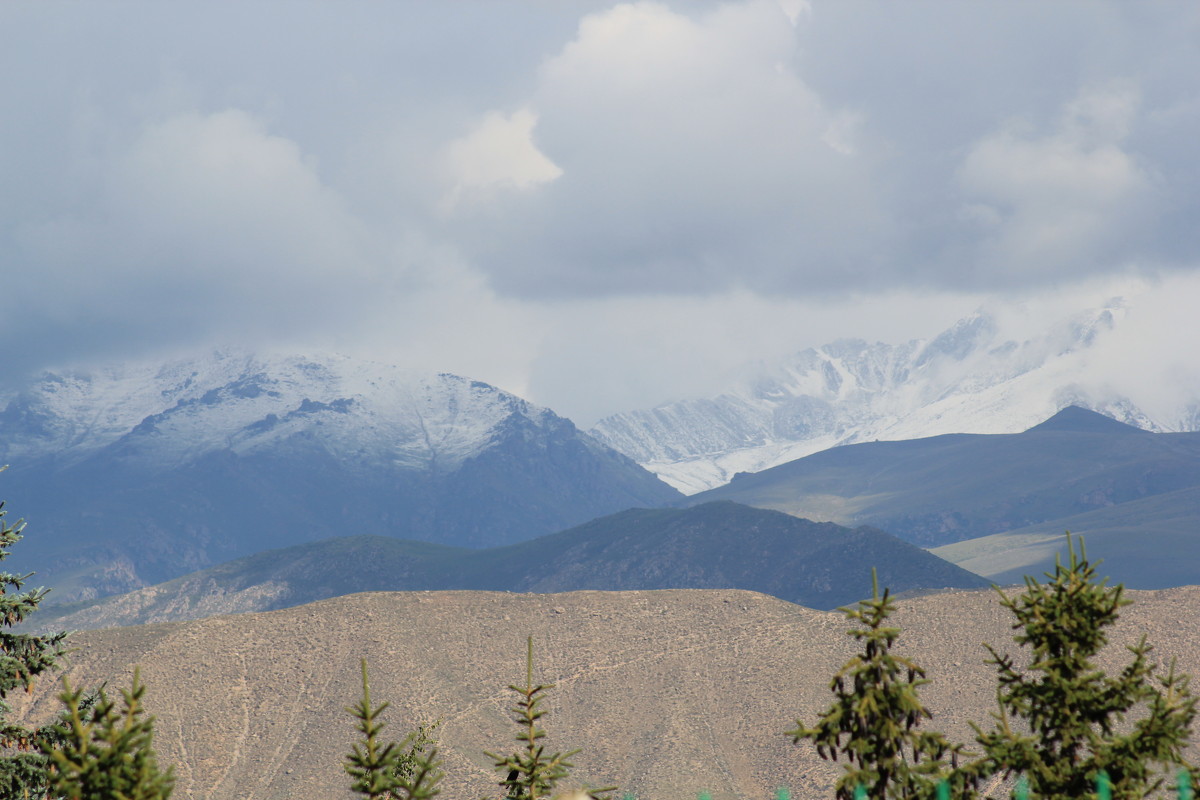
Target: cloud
[[221, 198], [694, 159], [632, 195], [597, 356], [204, 226], [1062, 203], [709, 149], [498, 155]]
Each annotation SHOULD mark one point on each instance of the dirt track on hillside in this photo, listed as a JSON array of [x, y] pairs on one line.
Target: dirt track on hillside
[[668, 693]]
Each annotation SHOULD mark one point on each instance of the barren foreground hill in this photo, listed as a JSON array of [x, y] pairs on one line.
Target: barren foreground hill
[[668, 692]]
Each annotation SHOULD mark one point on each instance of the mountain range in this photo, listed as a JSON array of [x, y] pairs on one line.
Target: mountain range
[[135, 475], [235, 482], [972, 378], [1007, 499], [138, 474], [719, 545]]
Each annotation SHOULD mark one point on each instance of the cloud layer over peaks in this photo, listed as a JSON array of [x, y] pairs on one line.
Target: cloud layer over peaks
[[497, 188]]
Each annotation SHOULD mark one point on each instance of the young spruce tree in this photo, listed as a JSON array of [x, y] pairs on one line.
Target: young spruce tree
[[1073, 721], [875, 714], [23, 656], [409, 770], [531, 773], [107, 753]]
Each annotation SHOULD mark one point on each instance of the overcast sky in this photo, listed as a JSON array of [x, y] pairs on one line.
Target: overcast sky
[[599, 206]]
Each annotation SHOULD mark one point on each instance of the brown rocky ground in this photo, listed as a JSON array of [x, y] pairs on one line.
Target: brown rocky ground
[[668, 692]]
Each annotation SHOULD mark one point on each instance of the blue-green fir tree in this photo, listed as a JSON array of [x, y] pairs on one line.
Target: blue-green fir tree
[[874, 721], [107, 751], [23, 657], [1062, 720]]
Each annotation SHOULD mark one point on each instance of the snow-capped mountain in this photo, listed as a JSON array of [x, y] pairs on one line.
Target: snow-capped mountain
[[969, 379], [371, 415], [138, 473]]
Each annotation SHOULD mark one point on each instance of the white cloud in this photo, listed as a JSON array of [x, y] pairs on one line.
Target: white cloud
[[1063, 201], [499, 154], [218, 192], [206, 227], [694, 159], [1152, 360], [794, 9], [631, 196], [603, 355]]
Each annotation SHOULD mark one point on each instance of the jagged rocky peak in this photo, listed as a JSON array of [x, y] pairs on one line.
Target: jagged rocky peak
[[228, 399], [971, 378], [962, 339]]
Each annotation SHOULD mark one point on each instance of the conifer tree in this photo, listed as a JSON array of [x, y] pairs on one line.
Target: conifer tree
[[1073, 721], [875, 714], [531, 773], [23, 656], [390, 771], [417, 770], [108, 753]]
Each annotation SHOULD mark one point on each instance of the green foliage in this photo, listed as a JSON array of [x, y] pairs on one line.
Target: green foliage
[[1073, 719], [406, 771], [23, 656], [874, 718], [416, 771], [107, 753], [531, 773]]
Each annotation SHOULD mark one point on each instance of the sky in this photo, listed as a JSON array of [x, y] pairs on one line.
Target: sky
[[598, 206]]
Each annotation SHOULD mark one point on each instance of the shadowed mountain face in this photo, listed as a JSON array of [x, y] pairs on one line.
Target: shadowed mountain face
[[668, 693], [1150, 543], [1080, 420], [960, 487], [713, 546], [136, 475]]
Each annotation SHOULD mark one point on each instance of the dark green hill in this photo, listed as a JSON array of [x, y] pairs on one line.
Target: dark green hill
[[712, 546], [951, 488]]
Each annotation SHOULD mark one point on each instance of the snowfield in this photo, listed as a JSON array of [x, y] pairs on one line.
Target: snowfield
[[969, 379], [172, 413]]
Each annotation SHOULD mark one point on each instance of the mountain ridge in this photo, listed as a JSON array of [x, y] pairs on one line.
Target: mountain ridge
[[971, 378], [131, 475], [716, 546], [963, 494]]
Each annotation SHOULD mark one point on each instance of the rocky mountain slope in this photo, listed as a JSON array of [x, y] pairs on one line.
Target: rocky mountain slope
[[1130, 492], [711, 546], [136, 474], [668, 693], [972, 378]]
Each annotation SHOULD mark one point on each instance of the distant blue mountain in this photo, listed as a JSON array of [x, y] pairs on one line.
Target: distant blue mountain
[[1078, 470], [711, 546], [134, 475]]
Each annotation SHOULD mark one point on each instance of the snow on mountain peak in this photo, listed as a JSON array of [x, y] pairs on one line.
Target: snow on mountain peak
[[169, 413], [970, 378]]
